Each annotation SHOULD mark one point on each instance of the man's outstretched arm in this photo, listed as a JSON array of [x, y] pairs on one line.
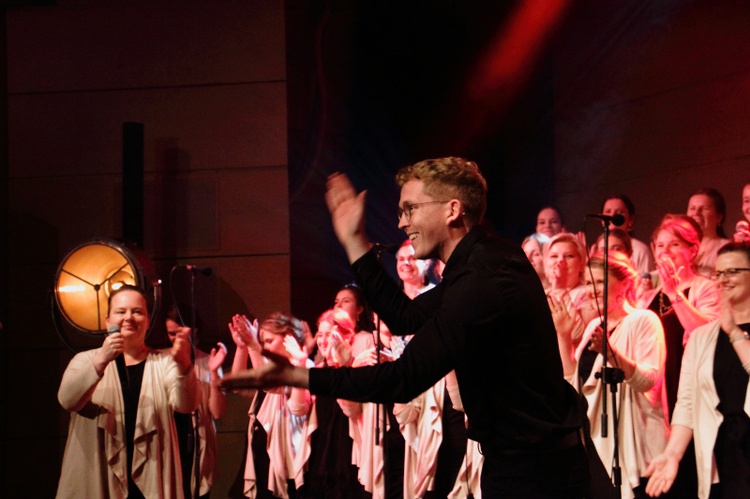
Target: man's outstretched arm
[[274, 373]]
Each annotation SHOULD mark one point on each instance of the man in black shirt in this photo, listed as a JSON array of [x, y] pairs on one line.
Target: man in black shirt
[[488, 319]]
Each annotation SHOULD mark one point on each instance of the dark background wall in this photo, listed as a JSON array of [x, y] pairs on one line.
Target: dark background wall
[[247, 106]]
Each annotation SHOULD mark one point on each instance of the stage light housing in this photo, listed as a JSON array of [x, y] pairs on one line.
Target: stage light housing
[[90, 273]]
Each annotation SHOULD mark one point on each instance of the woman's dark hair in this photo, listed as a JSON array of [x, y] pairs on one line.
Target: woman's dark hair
[[731, 247], [550, 207], [719, 205], [182, 314], [625, 200], [364, 321]]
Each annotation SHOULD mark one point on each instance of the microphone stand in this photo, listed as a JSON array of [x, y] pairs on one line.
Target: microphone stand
[[196, 415], [380, 418], [611, 376]]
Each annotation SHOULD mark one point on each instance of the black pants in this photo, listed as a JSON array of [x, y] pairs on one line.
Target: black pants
[[556, 474]]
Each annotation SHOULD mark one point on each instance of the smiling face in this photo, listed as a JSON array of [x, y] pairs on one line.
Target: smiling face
[[746, 202], [701, 209], [409, 269], [323, 338], [128, 309], [549, 222], [427, 227], [735, 289], [668, 246]]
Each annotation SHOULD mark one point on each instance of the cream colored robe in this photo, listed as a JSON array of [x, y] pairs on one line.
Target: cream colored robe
[[697, 402], [470, 475], [421, 423], [642, 399], [284, 464], [94, 463], [206, 426]]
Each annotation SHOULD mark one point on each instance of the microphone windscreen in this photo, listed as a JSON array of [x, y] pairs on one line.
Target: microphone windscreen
[[114, 328], [618, 219]]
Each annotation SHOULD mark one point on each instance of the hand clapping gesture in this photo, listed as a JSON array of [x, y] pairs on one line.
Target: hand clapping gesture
[[297, 355], [347, 210], [217, 357], [244, 332], [565, 321], [341, 351]]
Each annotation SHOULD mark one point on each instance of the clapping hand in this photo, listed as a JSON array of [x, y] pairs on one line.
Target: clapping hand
[[564, 320], [244, 332], [297, 355], [597, 340], [341, 351], [216, 359], [347, 210]]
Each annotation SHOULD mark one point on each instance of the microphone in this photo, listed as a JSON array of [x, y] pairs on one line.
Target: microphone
[[197, 270], [617, 219], [120, 359], [386, 248]]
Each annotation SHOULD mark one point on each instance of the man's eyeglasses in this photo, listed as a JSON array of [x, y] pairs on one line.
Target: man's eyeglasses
[[407, 208], [728, 273]]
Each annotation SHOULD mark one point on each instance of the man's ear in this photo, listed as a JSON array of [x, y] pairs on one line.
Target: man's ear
[[456, 210]]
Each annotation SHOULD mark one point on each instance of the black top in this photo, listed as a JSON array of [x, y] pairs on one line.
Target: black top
[[674, 332], [732, 447], [131, 378], [489, 320]]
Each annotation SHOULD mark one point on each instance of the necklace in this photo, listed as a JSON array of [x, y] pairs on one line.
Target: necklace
[[664, 308]]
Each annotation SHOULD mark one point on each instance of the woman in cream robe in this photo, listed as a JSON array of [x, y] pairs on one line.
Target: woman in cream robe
[[95, 463]]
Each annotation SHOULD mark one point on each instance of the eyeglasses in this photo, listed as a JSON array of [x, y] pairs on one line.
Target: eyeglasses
[[409, 207], [728, 273]]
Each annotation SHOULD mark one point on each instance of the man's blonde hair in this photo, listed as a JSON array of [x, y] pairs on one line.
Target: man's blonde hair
[[451, 178]]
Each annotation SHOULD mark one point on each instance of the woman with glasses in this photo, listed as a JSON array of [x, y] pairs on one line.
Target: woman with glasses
[[714, 403]]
